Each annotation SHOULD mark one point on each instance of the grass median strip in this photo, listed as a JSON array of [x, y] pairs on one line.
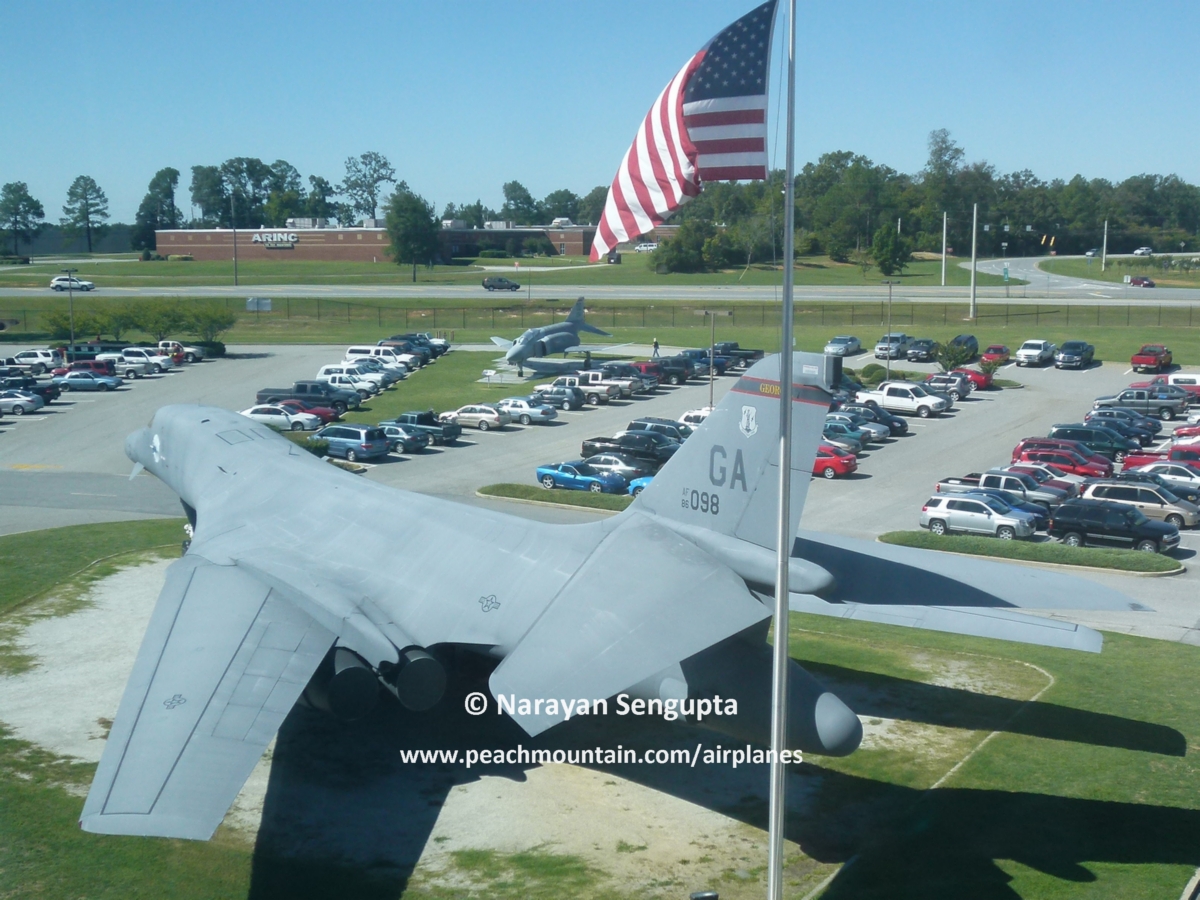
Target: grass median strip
[[1058, 554], [537, 494]]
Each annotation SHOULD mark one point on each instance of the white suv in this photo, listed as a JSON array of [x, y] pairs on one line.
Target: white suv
[[1144, 251], [63, 282]]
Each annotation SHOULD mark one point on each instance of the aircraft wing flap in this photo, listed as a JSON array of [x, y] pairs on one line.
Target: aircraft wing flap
[[618, 622], [222, 663]]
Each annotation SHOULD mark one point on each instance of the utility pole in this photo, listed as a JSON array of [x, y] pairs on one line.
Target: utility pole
[[944, 219], [974, 236], [712, 346], [889, 328], [71, 312], [1104, 247], [897, 224], [233, 225]]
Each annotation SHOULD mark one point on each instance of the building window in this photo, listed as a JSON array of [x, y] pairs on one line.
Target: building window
[[341, 237], [379, 237], [360, 237], [562, 249]]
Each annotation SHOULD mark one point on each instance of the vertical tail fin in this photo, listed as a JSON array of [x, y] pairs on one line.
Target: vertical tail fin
[[726, 476], [575, 317]]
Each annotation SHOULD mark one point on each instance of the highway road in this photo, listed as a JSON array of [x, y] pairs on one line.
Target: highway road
[[1042, 287]]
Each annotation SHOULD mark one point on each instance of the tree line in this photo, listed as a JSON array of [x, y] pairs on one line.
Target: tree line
[[162, 318]]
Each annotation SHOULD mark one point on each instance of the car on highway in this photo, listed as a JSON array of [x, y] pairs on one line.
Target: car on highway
[[1081, 523], [893, 345], [565, 398], [1151, 358], [579, 476], [527, 410], [1141, 281], [354, 442], [628, 467], [18, 403], [1035, 353], [326, 414], [282, 419], [498, 283], [1074, 355], [843, 345], [477, 415], [923, 350], [975, 514], [70, 282], [1144, 251], [1095, 251], [86, 381], [404, 440], [832, 461]]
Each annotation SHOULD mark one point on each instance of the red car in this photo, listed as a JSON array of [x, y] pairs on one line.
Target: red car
[[996, 353], [1187, 431], [1189, 383], [981, 380], [1190, 455], [833, 461], [1068, 461], [95, 366], [324, 413], [1047, 475], [1151, 358], [1079, 449], [1141, 281]]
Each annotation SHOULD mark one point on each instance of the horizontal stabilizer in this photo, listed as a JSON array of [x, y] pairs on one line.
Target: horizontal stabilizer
[[502, 343], [1002, 624], [887, 574]]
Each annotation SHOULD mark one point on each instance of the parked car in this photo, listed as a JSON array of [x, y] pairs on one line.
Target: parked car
[[1017, 484], [1074, 355], [892, 346], [948, 384], [1189, 383], [849, 439], [1181, 479], [979, 380], [497, 283], [98, 366], [1100, 440], [874, 430], [1141, 281], [148, 357], [86, 381], [832, 462], [354, 442], [647, 445], [477, 415], [1140, 436], [1154, 502], [578, 476], [975, 514], [694, 417], [1047, 475], [639, 484], [843, 345], [628, 467], [967, 342], [1156, 401], [39, 361], [904, 397], [1067, 460], [527, 410], [319, 392], [676, 431], [1129, 416], [1151, 358], [1035, 353], [404, 440], [563, 397], [997, 353], [18, 403], [282, 419], [70, 282], [439, 432], [1143, 251], [923, 350], [1102, 523], [49, 391], [326, 414], [1076, 447], [895, 424]]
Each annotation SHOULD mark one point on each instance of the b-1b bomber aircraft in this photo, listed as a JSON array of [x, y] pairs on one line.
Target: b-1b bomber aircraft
[[328, 594]]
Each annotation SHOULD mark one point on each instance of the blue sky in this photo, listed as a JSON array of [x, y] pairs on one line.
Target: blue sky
[[463, 96]]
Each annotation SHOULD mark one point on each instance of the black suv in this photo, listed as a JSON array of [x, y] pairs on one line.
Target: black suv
[[967, 342], [563, 397], [923, 350], [1096, 438], [496, 283], [1104, 523]]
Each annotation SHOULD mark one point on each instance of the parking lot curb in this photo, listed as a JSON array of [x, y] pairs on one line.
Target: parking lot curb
[[604, 512], [1064, 567]]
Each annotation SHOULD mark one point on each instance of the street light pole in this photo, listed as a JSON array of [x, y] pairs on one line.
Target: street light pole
[[712, 346], [944, 220], [889, 284], [71, 312], [233, 225], [974, 237], [1104, 247]]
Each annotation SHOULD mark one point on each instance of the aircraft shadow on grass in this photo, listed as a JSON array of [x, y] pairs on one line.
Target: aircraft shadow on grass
[[344, 817]]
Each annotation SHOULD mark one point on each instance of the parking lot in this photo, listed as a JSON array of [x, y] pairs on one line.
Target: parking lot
[[70, 457]]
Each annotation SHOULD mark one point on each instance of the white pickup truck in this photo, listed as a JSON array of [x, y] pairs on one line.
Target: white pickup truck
[[347, 381], [174, 348], [903, 397], [627, 386], [140, 360], [595, 392]]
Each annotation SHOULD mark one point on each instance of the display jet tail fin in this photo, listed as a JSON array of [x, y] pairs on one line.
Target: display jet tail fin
[[721, 489], [576, 318]]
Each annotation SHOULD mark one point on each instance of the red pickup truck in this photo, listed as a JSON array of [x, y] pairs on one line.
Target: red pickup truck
[[1189, 454], [1151, 358]]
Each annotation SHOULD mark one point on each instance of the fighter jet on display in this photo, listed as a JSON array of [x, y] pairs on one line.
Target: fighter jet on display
[[529, 350], [325, 593]]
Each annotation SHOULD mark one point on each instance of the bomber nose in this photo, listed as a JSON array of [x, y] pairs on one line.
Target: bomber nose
[[136, 444]]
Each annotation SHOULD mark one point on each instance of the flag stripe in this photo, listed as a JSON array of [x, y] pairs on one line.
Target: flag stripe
[[731, 145], [727, 117], [735, 173]]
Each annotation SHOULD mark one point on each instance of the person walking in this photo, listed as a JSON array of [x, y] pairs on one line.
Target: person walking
[[655, 354]]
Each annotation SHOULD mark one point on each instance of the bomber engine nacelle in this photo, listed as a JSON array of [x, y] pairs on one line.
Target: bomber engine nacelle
[[343, 686], [418, 681]]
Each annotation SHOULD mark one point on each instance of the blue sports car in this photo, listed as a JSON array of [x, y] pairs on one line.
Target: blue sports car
[[578, 476], [639, 484]]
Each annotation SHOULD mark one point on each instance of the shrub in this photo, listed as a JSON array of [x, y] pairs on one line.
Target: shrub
[[14, 260], [314, 445], [873, 370], [179, 257], [493, 254], [212, 349]]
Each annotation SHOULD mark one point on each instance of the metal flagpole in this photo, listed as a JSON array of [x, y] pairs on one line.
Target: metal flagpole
[[974, 235], [783, 539], [944, 249]]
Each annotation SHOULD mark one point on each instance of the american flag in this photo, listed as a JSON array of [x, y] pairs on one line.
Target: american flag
[[708, 124]]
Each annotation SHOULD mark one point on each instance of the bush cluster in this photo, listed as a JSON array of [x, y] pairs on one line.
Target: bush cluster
[[161, 318]]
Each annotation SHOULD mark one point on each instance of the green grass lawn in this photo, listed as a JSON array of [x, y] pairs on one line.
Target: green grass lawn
[[1089, 791], [1117, 269], [1099, 557], [635, 270], [538, 494]]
